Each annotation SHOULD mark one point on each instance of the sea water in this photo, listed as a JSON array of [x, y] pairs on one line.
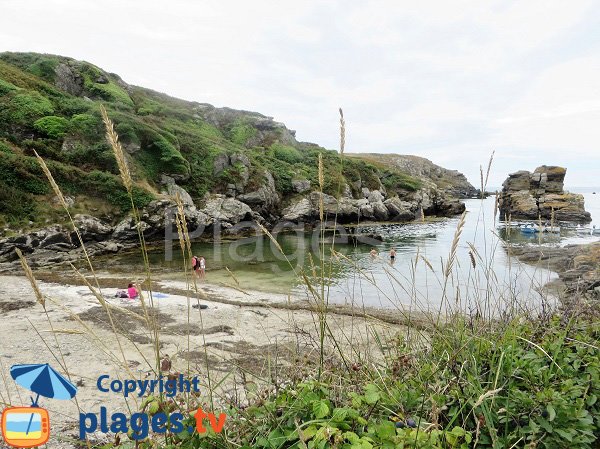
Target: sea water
[[483, 276]]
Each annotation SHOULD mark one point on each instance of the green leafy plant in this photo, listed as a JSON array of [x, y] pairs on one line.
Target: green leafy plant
[[52, 126]]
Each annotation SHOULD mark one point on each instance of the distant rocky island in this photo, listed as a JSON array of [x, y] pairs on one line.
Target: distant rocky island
[[541, 195]]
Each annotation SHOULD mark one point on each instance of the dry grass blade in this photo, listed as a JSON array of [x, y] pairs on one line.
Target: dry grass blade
[[113, 140], [486, 395], [472, 257], [233, 276], [481, 183], [29, 274], [342, 132], [65, 331], [424, 259], [53, 183], [489, 168], [273, 239], [454, 246]]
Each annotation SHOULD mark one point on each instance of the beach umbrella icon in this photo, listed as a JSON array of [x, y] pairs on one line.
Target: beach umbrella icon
[[43, 380]]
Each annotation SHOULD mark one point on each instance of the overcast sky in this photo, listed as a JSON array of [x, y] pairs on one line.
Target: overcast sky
[[447, 80]]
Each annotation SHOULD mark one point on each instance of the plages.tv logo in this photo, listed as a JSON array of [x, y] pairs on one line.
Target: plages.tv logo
[[25, 427]]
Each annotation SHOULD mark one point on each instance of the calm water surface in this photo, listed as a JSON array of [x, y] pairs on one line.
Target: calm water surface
[[415, 279]]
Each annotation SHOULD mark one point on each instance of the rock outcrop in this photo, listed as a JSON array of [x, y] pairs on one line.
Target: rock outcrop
[[375, 207], [265, 199], [540, 194], [267, 129], [451, 182], [578, 268]]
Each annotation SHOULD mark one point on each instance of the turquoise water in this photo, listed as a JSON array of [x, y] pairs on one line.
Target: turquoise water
[[414, 279]]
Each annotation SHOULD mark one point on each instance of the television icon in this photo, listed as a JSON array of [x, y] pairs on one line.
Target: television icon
[[25, 427]]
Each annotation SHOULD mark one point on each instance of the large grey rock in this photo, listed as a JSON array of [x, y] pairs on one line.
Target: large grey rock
[[299, 211], [399, 210], [240, 158], [375, 196], [380, 211], [347, 191], [224, 209], [155, 220], [540, 194], [224, 161], [68, 79], [220, 163], [301, 185], [173, 189], [265, 198], [91, 228], [551, 178], [517, 181]]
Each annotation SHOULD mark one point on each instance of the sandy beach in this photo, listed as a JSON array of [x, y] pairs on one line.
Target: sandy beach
[[241, 338]]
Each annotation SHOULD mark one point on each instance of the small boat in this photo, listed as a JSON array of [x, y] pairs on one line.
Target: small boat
[[529, 229]]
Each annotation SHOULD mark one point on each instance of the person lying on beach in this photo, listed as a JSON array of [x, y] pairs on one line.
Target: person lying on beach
[[131, 292]]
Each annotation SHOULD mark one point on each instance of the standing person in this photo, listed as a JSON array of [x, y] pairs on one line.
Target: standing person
[[393, 254], [196, 265], [202, 265]]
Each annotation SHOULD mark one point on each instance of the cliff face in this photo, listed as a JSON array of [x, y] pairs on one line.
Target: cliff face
[[227, 165], [540, 194], [451, 182]]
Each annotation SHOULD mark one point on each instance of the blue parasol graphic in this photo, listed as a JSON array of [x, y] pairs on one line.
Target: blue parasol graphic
[[43, 380]]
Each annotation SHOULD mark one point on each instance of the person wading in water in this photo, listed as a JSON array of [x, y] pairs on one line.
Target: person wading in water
[[196, 266]]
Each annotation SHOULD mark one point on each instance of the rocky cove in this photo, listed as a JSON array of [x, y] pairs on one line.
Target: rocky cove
[[229, 216]]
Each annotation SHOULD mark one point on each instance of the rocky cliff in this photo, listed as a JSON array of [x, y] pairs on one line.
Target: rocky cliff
[[227, 165], [450, 182], [540, 194]]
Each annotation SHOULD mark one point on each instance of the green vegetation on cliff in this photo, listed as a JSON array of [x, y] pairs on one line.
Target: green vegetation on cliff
[[50, 104]]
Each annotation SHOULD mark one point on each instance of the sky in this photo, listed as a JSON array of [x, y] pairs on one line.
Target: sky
[[451, 81]]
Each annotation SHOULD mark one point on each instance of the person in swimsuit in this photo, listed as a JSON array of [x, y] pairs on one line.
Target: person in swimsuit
[[393, 254], [202, 265], [196, 265]]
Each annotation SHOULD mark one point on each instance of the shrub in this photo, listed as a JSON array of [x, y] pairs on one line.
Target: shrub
[[110, 187], [52, 126], [286, 153], [241, 132], [110, 92], [86, 125], [16, 206], [396, 181], [24, 107], [4, 148], [70, 106], [126, 133], [6, 87], [22, 173], [171, 158], [45, 69]]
